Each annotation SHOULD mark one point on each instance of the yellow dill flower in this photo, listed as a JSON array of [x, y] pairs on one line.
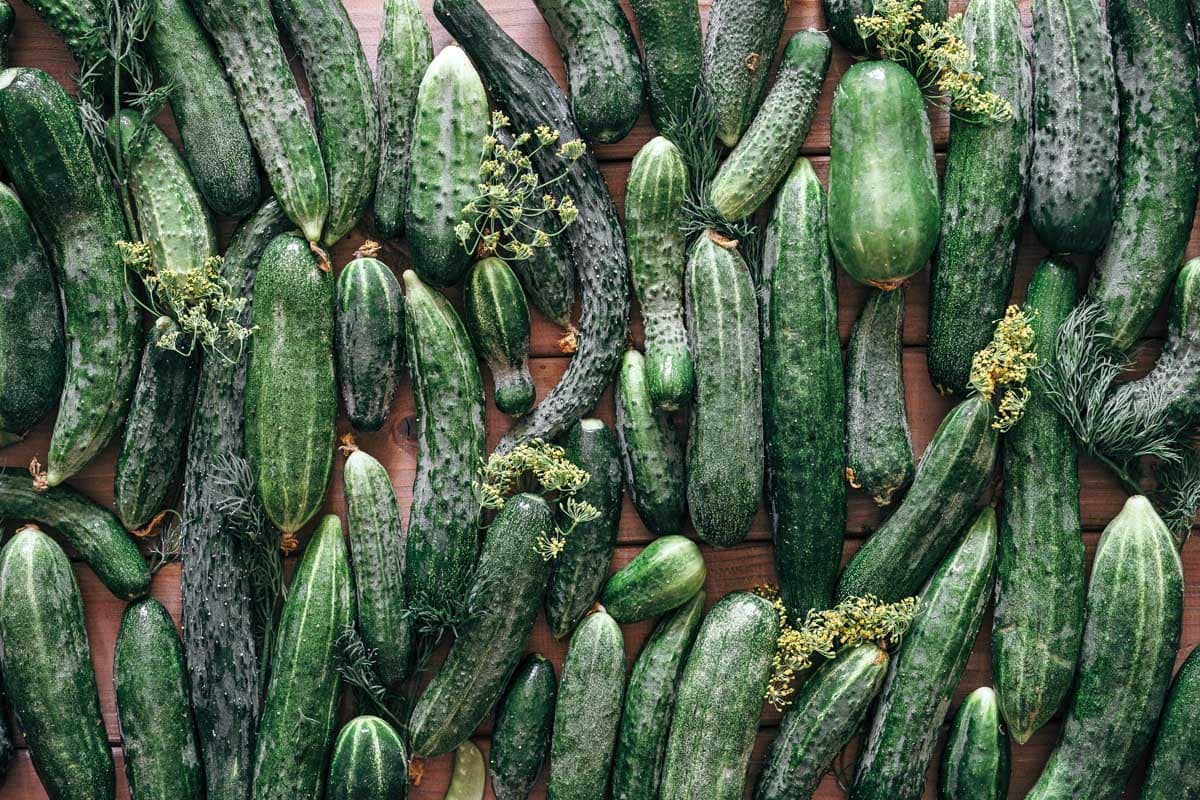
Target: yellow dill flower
[[1005, 365]]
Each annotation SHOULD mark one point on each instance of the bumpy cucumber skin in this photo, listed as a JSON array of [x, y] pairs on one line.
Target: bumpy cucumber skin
[[924, 672], [488, 647], [521, 736], [8, 20], [654, 239], [1131, 633], [725, 445], [588, 711], [827, 711], [884, 212], [1040, 560], [369, 762], [983, 198], [52, 170], [670, 34], [666, 574], [975, 763], [73, 22], [802, 369], [291, 392], [497, 318], [32, 354], [48, 670], [879, 451], [157, 731], [767, 152], [368, 341], [1171, 773], [739, 47]]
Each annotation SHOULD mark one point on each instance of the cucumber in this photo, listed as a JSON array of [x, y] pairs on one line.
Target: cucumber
[[1040, 560], [449, 125], [663, 576], [157, 731], [588, 711], [51, 167], [884, 212], [802, 369], [580, 569], [739, 47], [879, 451], [369, 762], [74, 24], [512, 574], [7, 750], [651, 453], [983, 199], [443, 520], [670, 34], [976, 762], [48, 669], [301, 701], [604, 71], [368, 340], [8, 21], [468, 779], [155, 438], [649, 698], [725, 442], [1170, 773], [498, 320], [1073, 169], [521, 735], [827, 711], [1131, 633], [32, 355], [654, 239], [719, 699], [916, 694], [765, 155]]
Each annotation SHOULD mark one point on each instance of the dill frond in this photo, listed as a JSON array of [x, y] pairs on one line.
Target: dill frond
[[356, 666], [1004, 366], [168, 541], [1177, 495]]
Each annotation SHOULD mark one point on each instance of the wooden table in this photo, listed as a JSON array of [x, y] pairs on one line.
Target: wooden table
[[741, 567]]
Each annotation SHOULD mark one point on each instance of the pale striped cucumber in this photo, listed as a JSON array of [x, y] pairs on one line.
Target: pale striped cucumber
[[976, 760], [368, 340], [369, 762], [498, 320]]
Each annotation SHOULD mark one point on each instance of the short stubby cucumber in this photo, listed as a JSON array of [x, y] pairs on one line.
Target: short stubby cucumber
[[497, 318], [469, 777], [665, 575], [521, 735], [1170, 773], [976, 761], [368, 340], [739, 48], [670, 34], [369, 762]]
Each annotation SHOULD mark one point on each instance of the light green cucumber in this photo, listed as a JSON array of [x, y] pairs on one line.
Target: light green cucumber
[[469, 778]]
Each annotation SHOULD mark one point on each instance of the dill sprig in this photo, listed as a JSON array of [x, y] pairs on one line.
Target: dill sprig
[[356, 666], [168, 541], [1177, 494], [1004, 366]]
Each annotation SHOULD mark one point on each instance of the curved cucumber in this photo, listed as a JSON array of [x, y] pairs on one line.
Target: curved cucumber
[[1170, 773], [498, 320], [468, 779], [976, 762], [368, 341], [369, 762], [670, 34], [661, 577], [521, 736], [739, 47]]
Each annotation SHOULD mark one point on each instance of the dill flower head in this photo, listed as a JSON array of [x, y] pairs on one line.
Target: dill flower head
[[1004, 367]]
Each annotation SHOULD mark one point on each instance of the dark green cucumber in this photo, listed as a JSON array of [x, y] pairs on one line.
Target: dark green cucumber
[[588, 711], [739, 48], [512, 575], [604, 70], [1039, 563], [840, 15], [580, 569], [157, 731], [827, 711], [51, 166], [368, 341], [32, 355], [649, 698], [8, 21], [768, 151], [369, 762], [976, 761], [155, 438], [884, 212], [670, 34], [300, 706], [1171, 772], [665, 575], [521, 736], [498, 320], [7, 749], [651, 452], [48, 670], [725, 443], [983, 199], [896, 753], [74, 23], [1134, 614], [802, 369], [719, 700]]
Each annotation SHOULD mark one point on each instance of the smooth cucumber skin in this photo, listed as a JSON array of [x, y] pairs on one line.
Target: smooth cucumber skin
[[827, 711], [768, 151], [368, 341], [651, 453], [469, 778], [488, 647], [657, 248], [803, 405], [725, 443], [670, 34], [291, 392], [369, 762], [719, 700], [884, 212], [1130, 636], [497, 318], [739, 47], [32, 354], [51, 168], [587, 711], [976, 761], [666, 574], [48, 670], [1073, 172], [157, 731], [1040, 559], [521, 735], [983, 199], [1171, 772], [916, 694], [580, 569]]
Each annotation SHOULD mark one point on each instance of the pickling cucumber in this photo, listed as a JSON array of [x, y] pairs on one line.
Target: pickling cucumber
[[670, 34], [521, 736], [666, 574], [369, 762], [368, 340], [1170, 773], [497, 318], [976, 761], [739, 48]]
